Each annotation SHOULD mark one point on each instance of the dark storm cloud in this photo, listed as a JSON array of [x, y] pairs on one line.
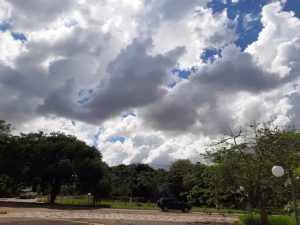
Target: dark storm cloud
[[199, 101], [27, 84], [236, 71], [134, 79], [18, 96]]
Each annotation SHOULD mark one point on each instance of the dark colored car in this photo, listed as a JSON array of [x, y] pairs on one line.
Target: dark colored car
[[173, 203]]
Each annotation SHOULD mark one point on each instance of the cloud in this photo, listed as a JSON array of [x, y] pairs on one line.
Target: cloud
[[201, 103], [37, 14], [281, 29], [125, 51], [135, 79], [198, 31], [15, 47]]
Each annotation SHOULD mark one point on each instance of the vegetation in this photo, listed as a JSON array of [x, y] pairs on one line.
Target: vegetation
[[236, 176], [273, 220], [46, 162]]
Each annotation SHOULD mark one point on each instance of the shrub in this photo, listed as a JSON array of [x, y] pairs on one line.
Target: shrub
[[273, 220]]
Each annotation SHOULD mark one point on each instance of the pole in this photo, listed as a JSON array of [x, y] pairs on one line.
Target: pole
[[291, 175]]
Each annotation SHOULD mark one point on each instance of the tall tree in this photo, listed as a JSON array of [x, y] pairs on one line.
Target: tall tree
[[178, 170], [12, 162], [248, 158], [58, 159]]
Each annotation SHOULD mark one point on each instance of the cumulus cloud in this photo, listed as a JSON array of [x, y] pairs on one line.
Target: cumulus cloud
[[202, 103], [102, 70], [37, 14], [135, 79]]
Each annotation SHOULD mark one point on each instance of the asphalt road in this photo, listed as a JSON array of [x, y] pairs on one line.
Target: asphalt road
[[40, 214], [35, 221]]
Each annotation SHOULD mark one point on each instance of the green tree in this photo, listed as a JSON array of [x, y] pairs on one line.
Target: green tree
[[57, 159], [12, 162], [178, 170], [248, 158]]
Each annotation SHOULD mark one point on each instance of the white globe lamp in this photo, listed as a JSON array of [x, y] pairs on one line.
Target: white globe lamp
[[277, 171]]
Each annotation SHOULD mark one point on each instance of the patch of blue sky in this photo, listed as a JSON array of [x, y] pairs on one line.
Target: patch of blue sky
[[4, 26], [85, 96], [293, 5], [84, 100], [247, 13], [184, 73], [19, 36], [209, 55], [126, 114], [97, 136], [81, 92], [114, 139]]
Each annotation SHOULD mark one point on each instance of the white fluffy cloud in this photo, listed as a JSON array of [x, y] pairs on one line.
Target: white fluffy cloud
[[85, 63]]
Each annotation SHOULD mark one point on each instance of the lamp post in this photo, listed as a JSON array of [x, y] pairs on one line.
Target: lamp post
[[278, 171], [241, 189], [248, 205]]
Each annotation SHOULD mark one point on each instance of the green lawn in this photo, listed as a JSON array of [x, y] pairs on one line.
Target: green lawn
[[273, 220], [117, 204]]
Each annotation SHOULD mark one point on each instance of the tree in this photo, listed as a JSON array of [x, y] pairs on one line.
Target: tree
[[136, 180], [12, 162], [178, 170], [57, 159], [247, 159]]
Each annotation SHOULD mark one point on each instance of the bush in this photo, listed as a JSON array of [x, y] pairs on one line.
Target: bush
[[8, 187], [289, 208], [273, 220]]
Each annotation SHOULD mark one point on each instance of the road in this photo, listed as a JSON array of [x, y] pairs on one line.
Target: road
[[31, 214]]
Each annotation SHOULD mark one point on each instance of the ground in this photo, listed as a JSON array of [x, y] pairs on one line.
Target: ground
[[33, 213]]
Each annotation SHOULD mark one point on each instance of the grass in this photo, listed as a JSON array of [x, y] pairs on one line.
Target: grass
[[273, 220], [85, 200], [118, 204]]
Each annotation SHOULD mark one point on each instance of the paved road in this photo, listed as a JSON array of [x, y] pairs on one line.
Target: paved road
[[90, 216]]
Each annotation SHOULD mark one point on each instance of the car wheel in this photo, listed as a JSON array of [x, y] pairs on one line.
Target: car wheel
[[165, 209], [185, 209]]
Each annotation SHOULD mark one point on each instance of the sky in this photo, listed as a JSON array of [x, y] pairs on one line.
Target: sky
[[148, 81]]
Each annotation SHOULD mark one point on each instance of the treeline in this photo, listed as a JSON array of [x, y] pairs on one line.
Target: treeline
[[237, 170], [56, 163]]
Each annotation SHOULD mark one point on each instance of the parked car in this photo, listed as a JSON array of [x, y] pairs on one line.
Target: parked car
[[173, 203], [27, 193]]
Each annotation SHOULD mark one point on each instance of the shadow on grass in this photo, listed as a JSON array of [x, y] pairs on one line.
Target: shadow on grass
[[48, 206]]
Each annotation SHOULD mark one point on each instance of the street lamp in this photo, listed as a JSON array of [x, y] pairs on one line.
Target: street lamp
[[248, 205], [278, 171]]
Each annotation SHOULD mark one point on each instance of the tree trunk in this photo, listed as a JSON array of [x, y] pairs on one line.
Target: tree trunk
[[55, 186], [263, 216]]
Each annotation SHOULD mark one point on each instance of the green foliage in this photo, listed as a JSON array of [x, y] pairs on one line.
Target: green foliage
[[12, 162], [8, 186], [59, 163], [247, 159], [179, 179], [136, 179], [46, 162], [289, 207], [59, 159], [273, 220]]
